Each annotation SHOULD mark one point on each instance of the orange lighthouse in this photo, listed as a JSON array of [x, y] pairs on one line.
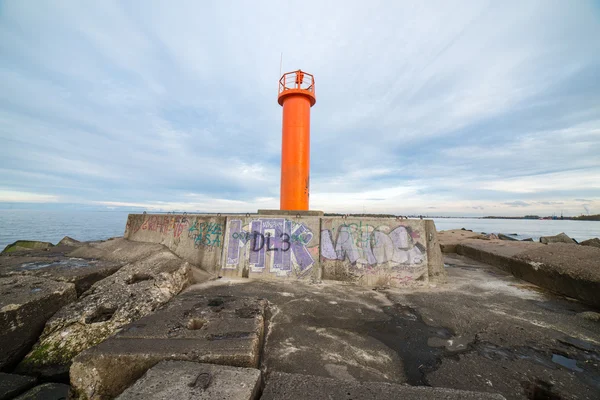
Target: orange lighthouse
[[297, 96]]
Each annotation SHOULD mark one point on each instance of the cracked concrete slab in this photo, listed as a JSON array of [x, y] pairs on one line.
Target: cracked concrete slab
[[184, 380], [216, 329], [282, 386]]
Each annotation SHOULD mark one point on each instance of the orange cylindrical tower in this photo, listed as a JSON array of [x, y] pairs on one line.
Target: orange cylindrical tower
[[297, 96]]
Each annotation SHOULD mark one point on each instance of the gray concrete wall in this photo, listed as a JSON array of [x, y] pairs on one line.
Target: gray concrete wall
[[374, 251], [271, 247], [195, 238], [366, 251]]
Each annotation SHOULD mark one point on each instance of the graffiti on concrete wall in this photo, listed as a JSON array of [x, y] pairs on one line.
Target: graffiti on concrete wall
[[365, 246], [278, 243], [205, 233], [202, 233]]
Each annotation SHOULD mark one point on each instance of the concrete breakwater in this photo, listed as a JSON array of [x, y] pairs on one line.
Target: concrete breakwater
[[133, 317]]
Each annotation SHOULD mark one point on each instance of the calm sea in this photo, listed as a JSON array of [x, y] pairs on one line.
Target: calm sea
[[51, 226]]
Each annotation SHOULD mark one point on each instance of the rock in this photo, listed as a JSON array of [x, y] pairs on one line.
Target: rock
[[26, 303], [47, 391], [560, 238], [590, 316], [184, 380], [26, 245], [595, 242], [222, 330], [136, 290], [502, 236], [283, 386], [13, 385], [490, 236], [527, 240], [68, 241]]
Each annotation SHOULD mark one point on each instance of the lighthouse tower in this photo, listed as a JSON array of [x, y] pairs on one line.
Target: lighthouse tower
[[296, 96]]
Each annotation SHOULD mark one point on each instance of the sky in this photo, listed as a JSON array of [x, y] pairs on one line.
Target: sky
[[465, 108]]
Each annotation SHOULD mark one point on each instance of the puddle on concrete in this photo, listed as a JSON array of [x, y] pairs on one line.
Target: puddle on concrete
[[70, 263], [458, 343], [407, 334], [566, 362]]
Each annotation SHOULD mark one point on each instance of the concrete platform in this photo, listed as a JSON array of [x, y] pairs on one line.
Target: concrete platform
[[26, 303], [281, 386], [216, 329], [183, 380], [482, 331]]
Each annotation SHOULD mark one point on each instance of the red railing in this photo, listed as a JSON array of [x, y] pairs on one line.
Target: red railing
[[297, 80]]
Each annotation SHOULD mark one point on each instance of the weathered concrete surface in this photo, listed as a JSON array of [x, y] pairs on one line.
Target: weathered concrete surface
[[451, 238], [217, 329], [26, 245], [184, 380], [595, 242], [435, 259], [116, 249], [377, 251], [81, 272], [12, 385], [560, 238], [282, 386], [26, 303], [484, 330], [272, 247], [282, 245], [47, 391], [195, 238], [134, 291], [568, 269]]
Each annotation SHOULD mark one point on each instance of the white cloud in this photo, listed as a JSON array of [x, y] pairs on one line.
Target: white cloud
[[11, 196]]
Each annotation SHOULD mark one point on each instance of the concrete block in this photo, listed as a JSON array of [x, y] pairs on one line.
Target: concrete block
[[12, 385], [565, 268], [451, 238], [47, 391], [136, 290], [272, 247], [435, 259], [217, 330], [374, 251], [82, 273], [282, 386], [26, 303], [197, 239], [184, 380]]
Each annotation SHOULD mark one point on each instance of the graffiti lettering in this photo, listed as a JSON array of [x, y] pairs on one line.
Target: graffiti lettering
[[285, 240], [206, 234], [371, 247]]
